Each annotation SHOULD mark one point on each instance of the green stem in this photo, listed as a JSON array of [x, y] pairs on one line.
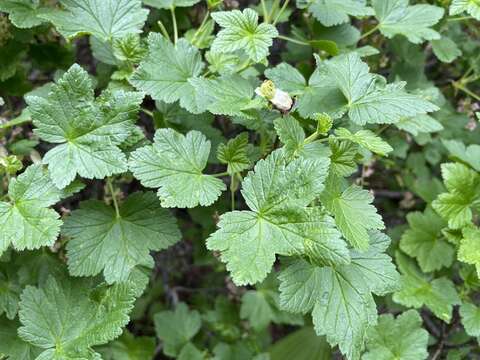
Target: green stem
[[175, 28], [232, 192], [245, 65], [460, 18], [148, 112], [300, 42], [15, 122], [314, 137], [163, 29], [369, 32], [382, 129], [466, 91], [274, 7], [204, 21], [265, 12], [225, 173], [114, 198], [282, 9]]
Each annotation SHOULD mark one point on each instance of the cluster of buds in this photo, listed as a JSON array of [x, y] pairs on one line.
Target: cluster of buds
[[10, 165], [278, 98]]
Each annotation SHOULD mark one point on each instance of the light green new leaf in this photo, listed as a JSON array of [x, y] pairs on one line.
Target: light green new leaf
[[102, 241], [402, 338], [23, 13], [354, 214], [278, 221], [419, 124], [343, 157], [87, 130], [418, 289], [336, 12], [176, 328], [341, 297], [470, 319], [104, 19], [66, 317], [469, 155], [226, 95], [369, 98], [469, 250], [445, 49], [463, 185], [424, 241], [174, 163], [235, 154], [167, 4], [241, 31], [165, 72], [470, 6], [366, 139], [397, 17], [27, 222]]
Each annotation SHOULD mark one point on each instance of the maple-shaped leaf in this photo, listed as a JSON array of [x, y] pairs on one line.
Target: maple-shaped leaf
[[463, 185], [340, 297], [27, 222], [369, 98], [174, 163], [469, 155], [176, 328], [165, 72], [226, 95], [101, 240], [418, 289], [397, 17], [241, 31], [424, 241], [343, 157], [235, 154], [397, 338], [104, 19], [87, 130], [23, 13], [472, 7], [445, 49], [354, 213], [336, 12], [66, 317], [469, 250], [278, 221], [470, 315], [366, 139]]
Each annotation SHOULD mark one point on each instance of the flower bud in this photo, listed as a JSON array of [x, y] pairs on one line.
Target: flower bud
[[324, 123], [279, 98]]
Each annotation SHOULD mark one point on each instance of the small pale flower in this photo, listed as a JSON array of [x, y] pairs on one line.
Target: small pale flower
[[279, 98]]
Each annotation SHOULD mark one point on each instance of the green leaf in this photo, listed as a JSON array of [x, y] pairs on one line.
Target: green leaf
[[27, 222], [278, 221], [341, 296], [227, 95], [129, 347], [354, 214], [66, 317], [167, 4], [343, 157], [419, 124], [370, 99], [256, 309], [235, 154], [88, 130], [10, 289], [190, 352], [336, 12], [470, 319], [463, 185], [241, 31], [104, 19], [176, 328], [12, 346], [469, 155], [396, 17], [424, 241], [366, 139], [418, 289], [445, 49], [174, 163], [469, 250], [165, 72], [302, 344], [23, 13], [470, 6], [102, 241], [400, 338]]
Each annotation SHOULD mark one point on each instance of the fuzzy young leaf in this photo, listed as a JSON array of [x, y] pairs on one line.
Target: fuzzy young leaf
[[104, 19], [174, 163], [470, 6], [397, 17], [278, 222], [336, 12], [164, 74], [102, 241], [27, 222], [241, 31], [88, 130], [400, 338], [235, 154]]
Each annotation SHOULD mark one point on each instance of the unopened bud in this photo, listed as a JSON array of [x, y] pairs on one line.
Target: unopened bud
[[324, 123]]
